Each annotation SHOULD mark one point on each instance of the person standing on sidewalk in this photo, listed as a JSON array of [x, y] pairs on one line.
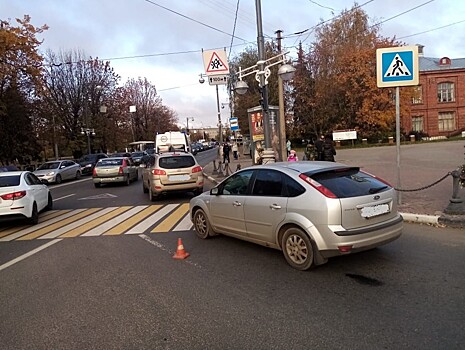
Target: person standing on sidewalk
[[319, 147], [234, 150], [226, 151], [292, 157], [288, 147], [328, 150]]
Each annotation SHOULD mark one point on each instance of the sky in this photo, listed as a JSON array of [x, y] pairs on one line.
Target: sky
[[162, 40]]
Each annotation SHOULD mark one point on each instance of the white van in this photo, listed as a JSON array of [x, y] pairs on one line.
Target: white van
[[175, 139]]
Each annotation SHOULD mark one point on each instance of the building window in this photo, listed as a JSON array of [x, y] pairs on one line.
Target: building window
[[446, 121], [417, 123], [446, 92], [417, 95]]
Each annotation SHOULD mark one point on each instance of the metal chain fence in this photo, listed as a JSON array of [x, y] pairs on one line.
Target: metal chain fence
[[424, 187]]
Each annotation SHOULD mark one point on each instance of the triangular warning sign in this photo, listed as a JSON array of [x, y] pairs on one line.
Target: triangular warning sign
[[397, 68], [216, 65]]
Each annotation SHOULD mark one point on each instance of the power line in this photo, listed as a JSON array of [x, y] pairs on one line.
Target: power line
[[193, 20], [234, 29], [431, 30]]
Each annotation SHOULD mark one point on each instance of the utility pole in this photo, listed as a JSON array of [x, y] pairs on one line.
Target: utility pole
[[282, 117]]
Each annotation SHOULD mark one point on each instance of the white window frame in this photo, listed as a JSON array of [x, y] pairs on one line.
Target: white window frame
[[446, 121], [446, 92]]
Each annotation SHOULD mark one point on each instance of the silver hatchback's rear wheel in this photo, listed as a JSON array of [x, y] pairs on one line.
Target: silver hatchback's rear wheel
[[202, 225], [297, 249]]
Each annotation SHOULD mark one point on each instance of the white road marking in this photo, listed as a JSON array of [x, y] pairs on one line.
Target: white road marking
[[185, 224], [69, 195], [151, 220], [28, 254]]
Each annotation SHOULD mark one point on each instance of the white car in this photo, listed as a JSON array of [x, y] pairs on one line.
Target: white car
[[23, 195]]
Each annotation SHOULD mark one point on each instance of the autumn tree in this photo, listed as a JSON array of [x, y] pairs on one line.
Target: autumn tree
[[20, 83], [76, 88], [343, 63], [151, 116]]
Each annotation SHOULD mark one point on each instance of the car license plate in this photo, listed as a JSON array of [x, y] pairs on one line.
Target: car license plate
[[369, 212], [179, 177]]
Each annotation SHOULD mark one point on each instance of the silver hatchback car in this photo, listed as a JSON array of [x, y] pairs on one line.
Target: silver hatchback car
[[309, 210]]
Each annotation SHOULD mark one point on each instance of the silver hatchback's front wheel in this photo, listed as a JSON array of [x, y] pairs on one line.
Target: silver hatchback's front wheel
[[297, 249], [202, 225]]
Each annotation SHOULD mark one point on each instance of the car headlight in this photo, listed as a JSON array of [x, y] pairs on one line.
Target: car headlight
[[51, 173]]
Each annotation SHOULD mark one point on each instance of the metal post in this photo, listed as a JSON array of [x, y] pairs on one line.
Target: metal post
[[88, 140], [399, 194], [220, 131], [282, 119], [261, 67]]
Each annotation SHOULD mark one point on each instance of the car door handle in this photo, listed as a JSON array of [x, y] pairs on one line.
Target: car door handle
[[237, 204], [275, 206]]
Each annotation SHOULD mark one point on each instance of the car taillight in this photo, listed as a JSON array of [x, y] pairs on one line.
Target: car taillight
[[94, 172], [197, 169], [158, 172], [319, 187], [13, 196], [121, 170]]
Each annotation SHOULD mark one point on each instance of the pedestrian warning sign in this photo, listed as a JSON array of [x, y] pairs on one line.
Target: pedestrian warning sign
[[215, 62], [397, 66]]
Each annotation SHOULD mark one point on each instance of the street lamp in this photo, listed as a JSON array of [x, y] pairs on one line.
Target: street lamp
[[262, 72], [220, 131], [88, 132], [187, 123]]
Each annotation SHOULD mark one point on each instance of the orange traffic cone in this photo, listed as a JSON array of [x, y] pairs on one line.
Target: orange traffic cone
[[180, 252]]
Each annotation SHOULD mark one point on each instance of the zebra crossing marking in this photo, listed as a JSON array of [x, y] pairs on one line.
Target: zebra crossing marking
[[168, 224], [90, 222]]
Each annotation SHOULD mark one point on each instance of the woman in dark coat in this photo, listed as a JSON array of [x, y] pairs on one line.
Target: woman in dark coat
[[328, 150]]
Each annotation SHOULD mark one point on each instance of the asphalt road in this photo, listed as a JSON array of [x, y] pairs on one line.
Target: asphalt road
[[126, 291]]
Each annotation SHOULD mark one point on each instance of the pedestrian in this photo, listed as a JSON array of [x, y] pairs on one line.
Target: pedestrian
[[226, 151], [292, 156], [319, 147], [288, 146], [328, 150], [310, 151], [234, 150]]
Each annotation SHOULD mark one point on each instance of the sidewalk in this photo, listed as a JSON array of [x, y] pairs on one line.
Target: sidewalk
[[425, 206]]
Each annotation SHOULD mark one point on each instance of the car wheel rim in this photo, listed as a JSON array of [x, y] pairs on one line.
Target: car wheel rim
[[201, 224], [297, 249]]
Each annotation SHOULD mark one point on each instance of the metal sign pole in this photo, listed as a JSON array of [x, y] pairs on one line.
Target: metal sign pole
[[399, 194]]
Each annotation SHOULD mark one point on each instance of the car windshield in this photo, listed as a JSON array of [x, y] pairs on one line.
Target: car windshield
[[10, 180], [88, 158], [110, 162], [349, 182], [137, 154], [176, 162], [47, 166]]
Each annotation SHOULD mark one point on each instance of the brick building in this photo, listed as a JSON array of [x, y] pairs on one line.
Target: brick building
[[438, 106]]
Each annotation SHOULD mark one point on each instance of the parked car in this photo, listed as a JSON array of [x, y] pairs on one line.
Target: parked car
[[120, 154], [112, 170], [88, 162], [172, 172], [310, 210], [58, 170], [23, 195]]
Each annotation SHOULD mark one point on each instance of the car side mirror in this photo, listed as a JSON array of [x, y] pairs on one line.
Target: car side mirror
[[214, 191]]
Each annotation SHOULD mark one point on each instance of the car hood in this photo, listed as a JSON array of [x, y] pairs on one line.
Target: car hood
[[44, 171]]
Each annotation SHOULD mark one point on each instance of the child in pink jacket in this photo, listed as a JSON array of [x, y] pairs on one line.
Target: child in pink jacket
[[292, 157]]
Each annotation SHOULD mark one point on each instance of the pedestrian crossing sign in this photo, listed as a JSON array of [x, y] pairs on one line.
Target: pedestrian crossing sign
[[397, 66]]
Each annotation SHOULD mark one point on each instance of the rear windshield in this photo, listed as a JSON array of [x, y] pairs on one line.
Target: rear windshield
[[176, 162], [349, 182], [10, 180], [109, 162]]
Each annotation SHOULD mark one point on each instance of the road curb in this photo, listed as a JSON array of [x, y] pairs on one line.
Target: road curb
[[421, 218]]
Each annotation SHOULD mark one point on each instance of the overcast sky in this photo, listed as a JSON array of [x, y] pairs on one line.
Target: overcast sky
[[172, 33]]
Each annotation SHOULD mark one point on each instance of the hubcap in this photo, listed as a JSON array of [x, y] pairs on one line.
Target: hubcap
[[297, 249], [201, 225]]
